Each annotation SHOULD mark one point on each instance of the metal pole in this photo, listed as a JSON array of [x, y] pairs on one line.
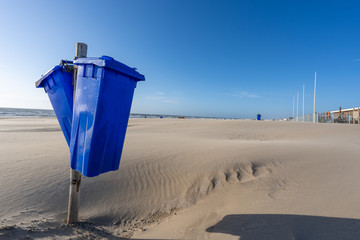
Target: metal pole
[[75, 176], [297, 107], [303, 103], [314, 98], [293, 107]]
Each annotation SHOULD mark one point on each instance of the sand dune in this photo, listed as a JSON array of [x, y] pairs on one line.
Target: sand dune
[[187, 179]]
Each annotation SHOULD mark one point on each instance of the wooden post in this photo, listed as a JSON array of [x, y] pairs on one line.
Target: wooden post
[[75, 176], [74, 196]]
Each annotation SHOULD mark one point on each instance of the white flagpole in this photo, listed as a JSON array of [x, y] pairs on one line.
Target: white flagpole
[[293, 108], [297, 108], [303, 103], [314, 99]]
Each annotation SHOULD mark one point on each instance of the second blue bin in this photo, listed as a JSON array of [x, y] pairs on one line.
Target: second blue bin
[[57, 83], [103, 98]]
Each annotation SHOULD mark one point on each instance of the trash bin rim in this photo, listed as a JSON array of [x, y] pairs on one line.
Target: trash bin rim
[[109, 62], [38, 83]]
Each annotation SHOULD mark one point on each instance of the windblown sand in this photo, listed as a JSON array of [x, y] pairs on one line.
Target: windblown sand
[[187, 179]]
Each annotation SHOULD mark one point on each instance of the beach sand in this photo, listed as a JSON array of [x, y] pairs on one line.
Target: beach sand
[[187, 179]]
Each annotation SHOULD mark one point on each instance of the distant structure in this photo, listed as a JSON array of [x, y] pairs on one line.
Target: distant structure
[[350, 115]]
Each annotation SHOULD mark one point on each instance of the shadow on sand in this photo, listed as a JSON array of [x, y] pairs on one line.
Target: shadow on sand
[[281, 227]]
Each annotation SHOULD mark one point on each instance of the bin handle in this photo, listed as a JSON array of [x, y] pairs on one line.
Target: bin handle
[[67, 65]]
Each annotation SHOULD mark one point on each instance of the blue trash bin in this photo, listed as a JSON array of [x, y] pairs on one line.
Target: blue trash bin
[[57, 83], [258, 117], [103, 98]]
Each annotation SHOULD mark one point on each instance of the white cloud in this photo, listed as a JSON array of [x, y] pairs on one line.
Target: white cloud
[[247, 94], [241, 94], [163, 97]]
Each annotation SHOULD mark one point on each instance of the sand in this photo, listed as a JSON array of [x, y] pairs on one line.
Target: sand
[[187, 179]]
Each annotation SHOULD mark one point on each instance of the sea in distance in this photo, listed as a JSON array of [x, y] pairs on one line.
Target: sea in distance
[[26, 112]]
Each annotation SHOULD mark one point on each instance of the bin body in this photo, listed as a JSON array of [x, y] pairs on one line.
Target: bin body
[[258, 117], [103, 98], [58, 85]]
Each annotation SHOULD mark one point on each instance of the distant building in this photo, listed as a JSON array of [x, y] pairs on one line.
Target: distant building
[[350, 115]]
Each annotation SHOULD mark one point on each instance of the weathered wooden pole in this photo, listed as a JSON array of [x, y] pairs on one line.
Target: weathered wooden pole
[[75, 176]]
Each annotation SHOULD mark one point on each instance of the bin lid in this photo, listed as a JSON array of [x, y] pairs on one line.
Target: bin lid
[[38, 83], [109, 62]]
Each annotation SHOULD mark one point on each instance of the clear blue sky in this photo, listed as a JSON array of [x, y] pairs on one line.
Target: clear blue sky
[[207, 58]]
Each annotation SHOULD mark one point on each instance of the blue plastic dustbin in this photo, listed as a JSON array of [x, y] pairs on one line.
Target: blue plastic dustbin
[[103, 98], [258, 117], [57, 83]]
